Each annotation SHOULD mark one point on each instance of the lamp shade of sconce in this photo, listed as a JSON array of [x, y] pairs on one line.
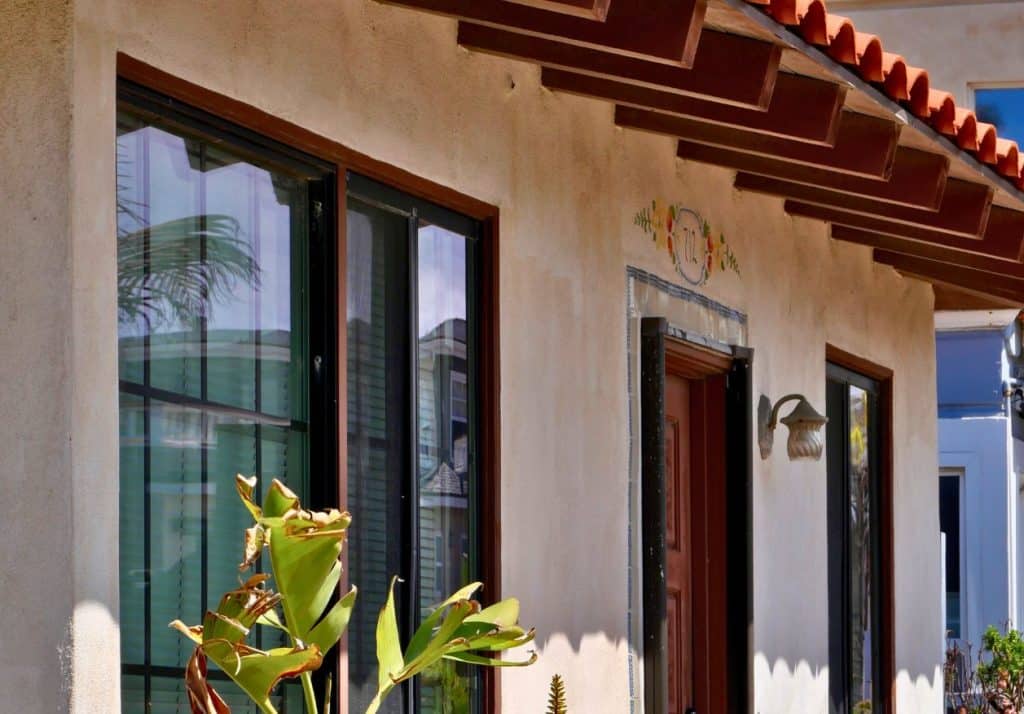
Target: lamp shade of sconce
[[804, 423]]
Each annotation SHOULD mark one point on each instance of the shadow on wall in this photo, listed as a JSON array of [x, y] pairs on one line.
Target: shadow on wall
[[781, 688]]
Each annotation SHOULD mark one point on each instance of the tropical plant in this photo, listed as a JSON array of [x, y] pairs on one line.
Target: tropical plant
[[996, 684], [304, 552], [556, 696], [1002, 675]]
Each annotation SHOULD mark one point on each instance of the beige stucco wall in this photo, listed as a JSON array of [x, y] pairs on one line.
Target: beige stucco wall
[[960, 44], [393, 84]]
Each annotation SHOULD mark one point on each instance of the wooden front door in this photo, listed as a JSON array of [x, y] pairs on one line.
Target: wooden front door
[[694, 502], [695, 538], [678, 544]]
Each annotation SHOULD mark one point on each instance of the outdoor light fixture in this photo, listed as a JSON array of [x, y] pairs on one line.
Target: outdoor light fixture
[[804, 423]]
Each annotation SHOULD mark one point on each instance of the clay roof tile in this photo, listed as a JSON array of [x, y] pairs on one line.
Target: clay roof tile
[[902, 83]]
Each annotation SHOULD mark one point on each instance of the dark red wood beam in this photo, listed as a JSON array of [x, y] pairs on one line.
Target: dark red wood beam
[[801, 108], [952, 297], [865, 145], [1003, 238], [659, 30], [590, 9], [918, 177], [895, 244], [987, 283], [964, 209], [727, 68]]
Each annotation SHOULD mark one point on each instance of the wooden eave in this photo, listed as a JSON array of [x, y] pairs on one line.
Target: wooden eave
[[801, 106]]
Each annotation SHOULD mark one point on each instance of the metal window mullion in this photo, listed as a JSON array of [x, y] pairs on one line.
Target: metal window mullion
[[142, 151], [203, 386], [473, 430], [413, 615], [847, 595]]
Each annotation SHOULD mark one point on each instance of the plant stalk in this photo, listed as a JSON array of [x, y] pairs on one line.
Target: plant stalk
[[308, 693]]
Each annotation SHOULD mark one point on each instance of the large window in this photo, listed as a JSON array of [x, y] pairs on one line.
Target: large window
[[858, 591], [223, 336], [229, 313]]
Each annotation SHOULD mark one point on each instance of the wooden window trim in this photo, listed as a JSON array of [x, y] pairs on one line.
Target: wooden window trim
[[346, 159], [884, 377]]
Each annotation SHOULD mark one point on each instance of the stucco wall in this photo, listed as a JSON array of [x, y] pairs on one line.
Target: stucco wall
[[960, 43], [393, 84]]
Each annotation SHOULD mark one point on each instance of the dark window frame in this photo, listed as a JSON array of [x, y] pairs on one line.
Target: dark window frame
[[848, 369], [241, 117]]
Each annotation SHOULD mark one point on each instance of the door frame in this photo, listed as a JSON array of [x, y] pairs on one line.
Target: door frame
[[665, 350]]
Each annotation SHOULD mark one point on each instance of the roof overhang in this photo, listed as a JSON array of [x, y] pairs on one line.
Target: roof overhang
[[803, 107]]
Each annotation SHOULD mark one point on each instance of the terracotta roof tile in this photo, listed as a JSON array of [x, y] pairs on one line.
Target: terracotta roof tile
[[864, 53]]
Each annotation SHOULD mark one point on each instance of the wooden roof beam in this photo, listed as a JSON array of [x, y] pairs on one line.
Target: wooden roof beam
[[953, 297], [727, 68], [1003, 237], [963, 211], [938, 253], [801, 108], [986, 283], [659, 30], [590, 9], [865, 145], [918, 177]]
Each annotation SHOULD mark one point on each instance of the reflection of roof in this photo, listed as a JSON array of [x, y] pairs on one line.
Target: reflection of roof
[[900, 81], [454, 329], [444, 481]]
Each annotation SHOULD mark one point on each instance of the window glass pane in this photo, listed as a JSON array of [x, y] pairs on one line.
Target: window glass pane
[[860, 551], [378, 415], [411, 479], [1004, 107], [445, 501], [949, 523], [212, 352]]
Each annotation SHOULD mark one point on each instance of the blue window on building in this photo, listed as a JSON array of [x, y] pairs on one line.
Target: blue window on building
[[1004, 107], [969, 373]]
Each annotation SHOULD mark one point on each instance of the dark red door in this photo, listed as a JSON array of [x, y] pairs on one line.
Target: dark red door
[[695, 537], [678, 544]]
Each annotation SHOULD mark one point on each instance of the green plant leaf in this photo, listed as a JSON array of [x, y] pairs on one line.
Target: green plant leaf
[[425, 630], [389, 649], [470, 658], [258, 673], [330, 628], [221, 638], [505, 613]]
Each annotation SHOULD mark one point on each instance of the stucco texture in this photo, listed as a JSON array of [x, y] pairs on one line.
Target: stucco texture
[[394, 85]]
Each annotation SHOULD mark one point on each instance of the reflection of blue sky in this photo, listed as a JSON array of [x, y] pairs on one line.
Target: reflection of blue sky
[[1003, 107], [441, 273], [238, 189], [442, 277]]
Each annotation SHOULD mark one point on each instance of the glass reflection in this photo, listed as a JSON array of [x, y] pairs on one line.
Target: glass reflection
[[860, 551], [444, 438], [212, 343]]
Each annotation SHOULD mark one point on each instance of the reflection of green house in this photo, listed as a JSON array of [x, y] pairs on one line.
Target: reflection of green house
[[443, 467]]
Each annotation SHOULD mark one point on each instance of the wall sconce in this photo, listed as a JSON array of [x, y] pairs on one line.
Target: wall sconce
[[804, 424]]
